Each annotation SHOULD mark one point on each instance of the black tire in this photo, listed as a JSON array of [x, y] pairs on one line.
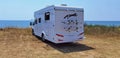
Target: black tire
[[43, 37], [33, 32]]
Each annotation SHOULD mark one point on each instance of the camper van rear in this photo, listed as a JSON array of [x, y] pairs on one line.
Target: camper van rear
[[59, 24]]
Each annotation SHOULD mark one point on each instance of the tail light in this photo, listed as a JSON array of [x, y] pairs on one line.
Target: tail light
[[59, 35], [81, 33]]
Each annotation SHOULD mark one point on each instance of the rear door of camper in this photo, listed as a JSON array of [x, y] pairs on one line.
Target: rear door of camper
[[48, 24], [69, 24]]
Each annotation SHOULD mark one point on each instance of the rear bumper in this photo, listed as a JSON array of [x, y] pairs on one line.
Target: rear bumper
[[67, 40]]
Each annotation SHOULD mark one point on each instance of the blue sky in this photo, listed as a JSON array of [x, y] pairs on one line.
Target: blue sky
[[95, 10]]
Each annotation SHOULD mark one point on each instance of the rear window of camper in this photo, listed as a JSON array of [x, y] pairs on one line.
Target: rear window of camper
[[47, 16]]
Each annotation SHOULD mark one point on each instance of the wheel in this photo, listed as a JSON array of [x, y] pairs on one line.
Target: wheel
[[43, 37], [33, 32]]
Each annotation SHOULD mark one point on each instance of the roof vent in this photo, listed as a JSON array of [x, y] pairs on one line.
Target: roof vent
[[63, 4]]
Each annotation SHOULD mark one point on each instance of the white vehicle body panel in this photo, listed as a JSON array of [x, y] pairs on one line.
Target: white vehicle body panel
[[65, 24]]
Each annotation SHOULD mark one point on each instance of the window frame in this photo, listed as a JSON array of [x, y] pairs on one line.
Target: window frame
[[47, 16], [39, 20], [35, 21]]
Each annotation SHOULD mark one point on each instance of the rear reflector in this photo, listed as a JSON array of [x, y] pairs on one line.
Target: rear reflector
[[60, 40], [81, 38], [59, 35]]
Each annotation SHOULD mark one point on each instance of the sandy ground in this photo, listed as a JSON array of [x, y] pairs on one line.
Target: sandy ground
[[20, 43]]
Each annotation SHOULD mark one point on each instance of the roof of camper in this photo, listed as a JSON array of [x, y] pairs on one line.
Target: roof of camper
[[59, 7]]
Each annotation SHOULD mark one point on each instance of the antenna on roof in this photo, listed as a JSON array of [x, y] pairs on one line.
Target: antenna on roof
[[63, 4]]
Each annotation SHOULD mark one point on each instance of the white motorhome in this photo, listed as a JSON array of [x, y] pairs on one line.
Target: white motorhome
[[59, 24]]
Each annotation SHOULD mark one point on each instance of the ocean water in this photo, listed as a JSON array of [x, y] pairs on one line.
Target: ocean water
[[25, 23], [14, 23], [105, 23]]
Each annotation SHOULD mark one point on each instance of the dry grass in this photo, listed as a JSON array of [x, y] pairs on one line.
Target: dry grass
[[20, 43], [102, 31]]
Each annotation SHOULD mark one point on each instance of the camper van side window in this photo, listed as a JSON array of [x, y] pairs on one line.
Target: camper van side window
[[47, 16], [39, 20], [35, 21]]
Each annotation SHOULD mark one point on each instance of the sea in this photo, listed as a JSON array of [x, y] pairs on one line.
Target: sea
[[105, 23], [14, 23], [26, 23]]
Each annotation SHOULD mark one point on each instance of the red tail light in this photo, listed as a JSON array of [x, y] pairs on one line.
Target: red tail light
[[81, 33], [59, 35]]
